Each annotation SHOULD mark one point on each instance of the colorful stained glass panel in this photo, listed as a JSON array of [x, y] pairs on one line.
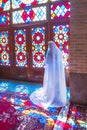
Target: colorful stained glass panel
[[24, 3], [4, 19], [20, 48], [38, 47], [60, 10], [4, 5], [4, 49], [61, 38], [29, 15]]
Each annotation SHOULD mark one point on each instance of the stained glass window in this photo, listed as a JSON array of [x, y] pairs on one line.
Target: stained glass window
[[4, 49], [60, 10], [20, 48], [38, 47], [28, 11], [29, 15], [61, 38], [4, 19], [4, 5], [24, 3]]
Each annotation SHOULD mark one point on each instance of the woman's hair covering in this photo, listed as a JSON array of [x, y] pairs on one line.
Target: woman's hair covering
[[53, 92]]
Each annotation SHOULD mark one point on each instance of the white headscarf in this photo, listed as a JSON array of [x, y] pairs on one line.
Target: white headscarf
[[53, 92]]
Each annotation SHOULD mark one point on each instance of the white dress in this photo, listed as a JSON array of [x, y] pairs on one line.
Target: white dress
[[53, 91]]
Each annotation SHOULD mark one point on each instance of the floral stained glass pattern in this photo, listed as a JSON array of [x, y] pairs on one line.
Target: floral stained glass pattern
[[4, 5], [4, 19], [60, 10], [29, 15], [4, 49], [61, 38], [20, 48], [38, 47], [24, 3]]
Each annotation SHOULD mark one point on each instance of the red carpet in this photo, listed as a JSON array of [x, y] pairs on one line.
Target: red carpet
[[30, 117], [17, 112], [8, 120]]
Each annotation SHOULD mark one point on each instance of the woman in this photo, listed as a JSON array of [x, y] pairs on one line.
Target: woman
[[53, 92]]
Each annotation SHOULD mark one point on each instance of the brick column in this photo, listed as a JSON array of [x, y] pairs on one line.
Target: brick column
[[78, 51]]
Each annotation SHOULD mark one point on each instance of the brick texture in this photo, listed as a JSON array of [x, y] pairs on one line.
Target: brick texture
[[78, 36], [78, 52]]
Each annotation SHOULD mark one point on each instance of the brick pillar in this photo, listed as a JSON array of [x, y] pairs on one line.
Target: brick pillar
[[78, 51]]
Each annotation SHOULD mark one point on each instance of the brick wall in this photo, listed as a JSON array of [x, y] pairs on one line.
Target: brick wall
[[78, 52], [78, 36]]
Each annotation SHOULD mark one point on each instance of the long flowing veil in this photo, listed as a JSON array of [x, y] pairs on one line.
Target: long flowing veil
[[53, 91]]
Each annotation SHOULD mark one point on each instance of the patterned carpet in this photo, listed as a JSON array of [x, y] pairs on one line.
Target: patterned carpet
[[17, 112]]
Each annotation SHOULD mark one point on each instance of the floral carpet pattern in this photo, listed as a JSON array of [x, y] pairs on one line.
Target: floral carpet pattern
[[17, 112]]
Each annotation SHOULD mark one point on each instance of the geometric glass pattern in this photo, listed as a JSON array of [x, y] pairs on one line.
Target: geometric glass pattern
[[61, 39], [24, 3], [60, 10], [20, 47], [38, 47], [29, 15], [4, 49], [4, 5], [4, 19]]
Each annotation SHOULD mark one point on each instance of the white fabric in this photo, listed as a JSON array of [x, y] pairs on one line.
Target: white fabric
[[53, 92]]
